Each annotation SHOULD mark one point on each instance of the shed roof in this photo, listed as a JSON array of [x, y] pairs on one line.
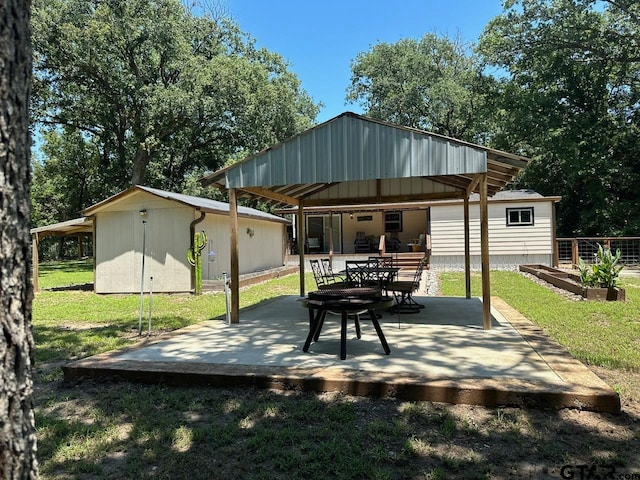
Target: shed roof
[[69, 227], [201, 204], [353, 159]]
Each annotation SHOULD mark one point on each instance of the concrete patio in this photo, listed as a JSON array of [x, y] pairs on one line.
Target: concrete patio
[[439, 354]]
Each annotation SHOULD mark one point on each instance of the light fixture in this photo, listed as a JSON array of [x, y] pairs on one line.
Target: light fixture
[[143, 212], [351, 215]]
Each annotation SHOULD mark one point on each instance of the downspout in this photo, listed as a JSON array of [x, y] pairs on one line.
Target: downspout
[[192, 234]]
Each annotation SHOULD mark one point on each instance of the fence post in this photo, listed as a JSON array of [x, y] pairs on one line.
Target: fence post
[[574, 251]]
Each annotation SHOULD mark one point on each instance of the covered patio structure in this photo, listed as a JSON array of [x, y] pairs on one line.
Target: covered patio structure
[[352, 159]]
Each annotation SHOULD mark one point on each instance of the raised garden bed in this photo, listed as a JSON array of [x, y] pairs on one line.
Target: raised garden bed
[[571, 282]]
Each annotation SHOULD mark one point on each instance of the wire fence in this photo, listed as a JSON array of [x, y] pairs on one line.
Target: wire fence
[[570, 250]]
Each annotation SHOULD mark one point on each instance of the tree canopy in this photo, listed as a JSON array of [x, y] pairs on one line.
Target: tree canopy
[[555, 80], [569, 97], [146, 92], [434, 84]]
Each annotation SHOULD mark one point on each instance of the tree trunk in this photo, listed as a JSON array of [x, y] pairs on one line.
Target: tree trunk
[[17, 425], [140, 162]]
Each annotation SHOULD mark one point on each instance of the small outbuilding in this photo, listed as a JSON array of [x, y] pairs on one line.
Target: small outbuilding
[[159, 225]]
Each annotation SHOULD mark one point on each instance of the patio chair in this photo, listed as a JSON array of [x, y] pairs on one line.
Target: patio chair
[[383, 261], [330, 276], [324, 282], [361, 243], [393, 243], [403, 291]]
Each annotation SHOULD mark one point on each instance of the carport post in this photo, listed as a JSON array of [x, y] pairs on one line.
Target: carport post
[[467, 250], [301, 243], [484, 253], [35, 261], [235, 266]]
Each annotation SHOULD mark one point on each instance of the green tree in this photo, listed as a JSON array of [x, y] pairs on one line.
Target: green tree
[[69, 180], [569, 96], [433, 84], [159, 91]]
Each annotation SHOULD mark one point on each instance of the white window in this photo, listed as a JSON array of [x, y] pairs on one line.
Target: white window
[[519, 216]]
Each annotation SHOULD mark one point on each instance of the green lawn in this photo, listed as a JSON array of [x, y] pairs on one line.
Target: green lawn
[[109, 429]]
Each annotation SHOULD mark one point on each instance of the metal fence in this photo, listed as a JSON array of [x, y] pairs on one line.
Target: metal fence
[[571, 249]]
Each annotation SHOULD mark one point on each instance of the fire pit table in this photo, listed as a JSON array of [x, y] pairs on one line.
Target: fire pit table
[[348, 302]]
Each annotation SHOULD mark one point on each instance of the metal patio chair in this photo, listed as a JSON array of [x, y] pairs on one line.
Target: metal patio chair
[[403, 291]]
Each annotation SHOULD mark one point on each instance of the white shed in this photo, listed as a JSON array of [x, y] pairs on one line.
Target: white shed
[[521, 230], [162, 222]]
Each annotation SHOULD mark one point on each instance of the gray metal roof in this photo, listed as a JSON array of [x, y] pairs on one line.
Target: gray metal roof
[[202, 204], [69, 227], [355, 159]]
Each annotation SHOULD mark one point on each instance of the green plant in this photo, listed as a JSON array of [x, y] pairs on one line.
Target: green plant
[[586, 277], [604, 273], [194, 256]]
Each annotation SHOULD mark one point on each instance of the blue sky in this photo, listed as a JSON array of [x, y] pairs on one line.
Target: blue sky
[[319, 39]]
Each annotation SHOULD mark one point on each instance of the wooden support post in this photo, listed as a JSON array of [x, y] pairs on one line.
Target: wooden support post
[[574, 251], [331, 238], [467, 250], [554, 239], [484, 248], [301, 242], [235, 264], [35, 260]]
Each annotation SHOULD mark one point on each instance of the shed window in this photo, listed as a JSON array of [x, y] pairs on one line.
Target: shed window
[[519, 216]]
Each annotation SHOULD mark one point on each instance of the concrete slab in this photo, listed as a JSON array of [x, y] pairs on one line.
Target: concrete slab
[[439, 354]]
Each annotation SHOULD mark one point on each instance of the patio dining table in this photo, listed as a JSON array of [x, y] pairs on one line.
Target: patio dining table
[[347, 302]]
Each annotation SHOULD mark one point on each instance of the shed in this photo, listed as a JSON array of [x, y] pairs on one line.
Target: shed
[[162, 224], [352, 159]]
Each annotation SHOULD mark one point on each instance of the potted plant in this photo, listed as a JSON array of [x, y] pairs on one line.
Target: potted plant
[[604, 273]]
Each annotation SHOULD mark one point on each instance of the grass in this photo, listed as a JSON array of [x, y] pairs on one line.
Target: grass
[[605, 334], [94, 430], [64, 274]]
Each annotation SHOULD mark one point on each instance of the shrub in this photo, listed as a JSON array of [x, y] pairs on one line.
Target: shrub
[[604, 273]]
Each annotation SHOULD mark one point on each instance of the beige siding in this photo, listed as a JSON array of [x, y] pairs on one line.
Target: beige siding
[[260, 245], [447, 230], [119, 238]]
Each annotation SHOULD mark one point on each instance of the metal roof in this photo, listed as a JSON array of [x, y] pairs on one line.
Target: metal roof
[[353, 159], [70, 227], [201, 204]]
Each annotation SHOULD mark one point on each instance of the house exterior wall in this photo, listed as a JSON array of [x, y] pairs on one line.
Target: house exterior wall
[[509, 246], [260, 244], [118, 247]]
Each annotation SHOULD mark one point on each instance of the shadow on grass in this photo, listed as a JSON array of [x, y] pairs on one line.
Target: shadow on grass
[[122, 430]]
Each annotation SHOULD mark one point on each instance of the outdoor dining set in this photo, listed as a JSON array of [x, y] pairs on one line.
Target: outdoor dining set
[[364, 287]]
